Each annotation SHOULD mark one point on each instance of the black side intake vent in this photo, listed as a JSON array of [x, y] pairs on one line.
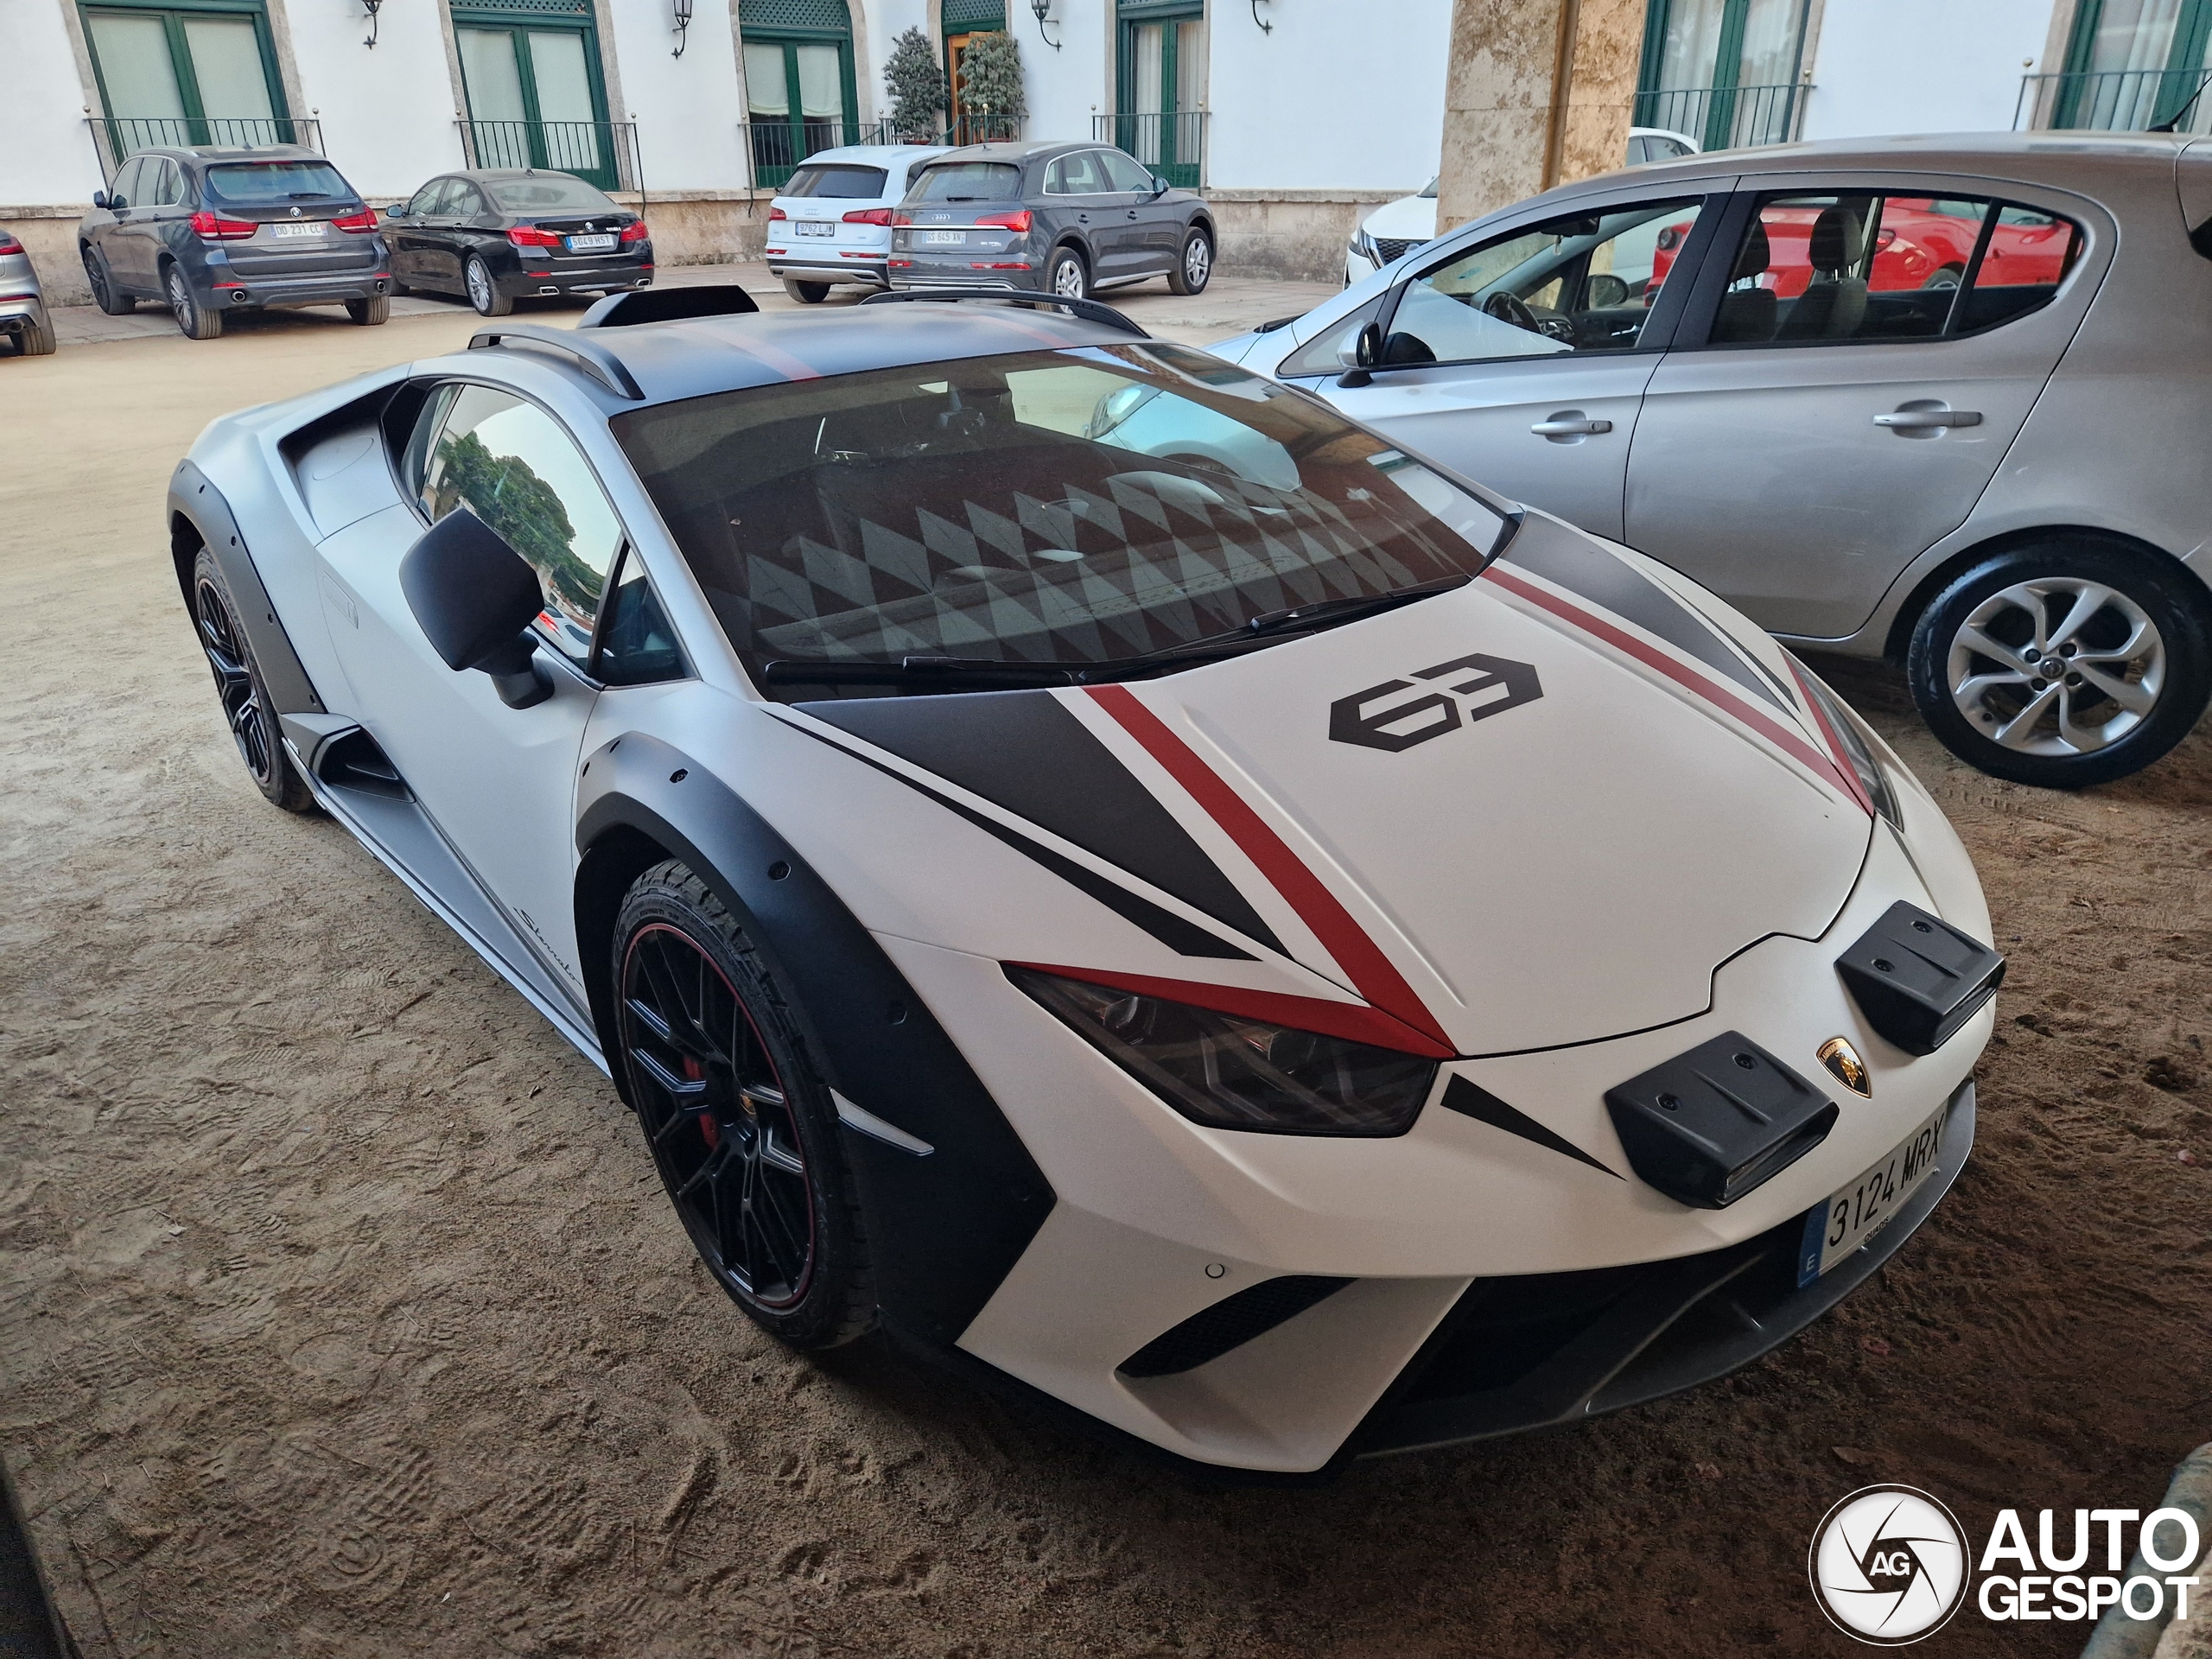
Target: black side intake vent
[[1709, 1126], [1229, 1323], [1917, 979]]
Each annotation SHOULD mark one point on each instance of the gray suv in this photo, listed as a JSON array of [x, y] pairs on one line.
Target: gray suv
[[213, 231], [1936, 399], [1058, 218]]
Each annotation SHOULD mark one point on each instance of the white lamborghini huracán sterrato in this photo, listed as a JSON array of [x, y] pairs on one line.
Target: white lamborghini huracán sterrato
[[1096, 864]]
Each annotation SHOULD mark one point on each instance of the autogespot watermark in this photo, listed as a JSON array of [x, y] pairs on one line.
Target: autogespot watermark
[[1891, 1565]]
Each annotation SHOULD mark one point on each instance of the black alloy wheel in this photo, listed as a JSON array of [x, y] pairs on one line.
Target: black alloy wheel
[[109, 298], [239, 689], [743, 1132]]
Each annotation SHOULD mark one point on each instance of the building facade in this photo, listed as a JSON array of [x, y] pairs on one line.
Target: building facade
[[1296, 117]]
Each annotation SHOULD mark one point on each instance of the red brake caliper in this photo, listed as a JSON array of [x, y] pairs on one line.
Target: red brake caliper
[[707, 1127]]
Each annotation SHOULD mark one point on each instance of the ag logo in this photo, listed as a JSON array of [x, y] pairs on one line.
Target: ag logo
[[1474, 688], [1889, 1566]]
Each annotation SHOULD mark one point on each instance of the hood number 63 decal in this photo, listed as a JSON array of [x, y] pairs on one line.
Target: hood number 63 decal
[[1477, 688]]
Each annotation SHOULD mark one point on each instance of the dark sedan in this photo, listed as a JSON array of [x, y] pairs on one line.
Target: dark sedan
[[212, 232], [501, 234], [1063, 218]]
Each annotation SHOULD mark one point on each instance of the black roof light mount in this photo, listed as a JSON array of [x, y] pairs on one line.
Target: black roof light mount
[[637, 305], [1089, 310]]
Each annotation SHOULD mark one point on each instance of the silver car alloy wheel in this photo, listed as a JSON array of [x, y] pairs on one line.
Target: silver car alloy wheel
[[480, 285], [1067, 277], [2056, 665], [1197, 261]]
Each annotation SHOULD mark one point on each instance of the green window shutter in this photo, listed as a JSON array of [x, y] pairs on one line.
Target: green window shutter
[[806, 17], [965, 16]]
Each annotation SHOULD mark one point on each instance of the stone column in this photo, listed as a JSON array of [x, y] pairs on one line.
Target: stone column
[[1538, 92]]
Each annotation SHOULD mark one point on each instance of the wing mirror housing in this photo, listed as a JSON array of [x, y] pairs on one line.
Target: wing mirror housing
[[1160, 186], [102, 200], [1359, 355], [475, 598]]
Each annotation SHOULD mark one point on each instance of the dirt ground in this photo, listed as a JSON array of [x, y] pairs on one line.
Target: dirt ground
[[341, 1312]]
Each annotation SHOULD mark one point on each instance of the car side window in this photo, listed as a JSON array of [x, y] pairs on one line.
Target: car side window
[[1581, 283], [637, 645], [1124, 173], [420, 204], [442, 196], [463, 200], [510, 463], [1078, 175], [126, 189], [1857, 267]]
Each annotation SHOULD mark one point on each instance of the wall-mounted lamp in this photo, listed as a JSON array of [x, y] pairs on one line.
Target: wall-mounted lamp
[[682, 26], [1043, 8], [1265, 28], [372, 7]]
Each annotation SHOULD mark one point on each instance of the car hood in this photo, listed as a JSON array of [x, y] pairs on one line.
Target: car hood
[[1407, 219], [1540, 810]]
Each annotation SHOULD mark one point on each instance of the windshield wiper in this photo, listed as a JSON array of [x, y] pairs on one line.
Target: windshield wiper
[[920, 672], [1351, 608]]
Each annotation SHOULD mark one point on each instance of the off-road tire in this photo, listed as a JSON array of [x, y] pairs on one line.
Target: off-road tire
[[835, 1301], [2176, 605], [242, 692]]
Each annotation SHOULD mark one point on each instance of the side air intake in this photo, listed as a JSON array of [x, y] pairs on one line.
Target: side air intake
[[1229, 1323]]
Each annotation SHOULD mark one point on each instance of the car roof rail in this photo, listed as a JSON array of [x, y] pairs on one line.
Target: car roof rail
[[637, 305], [1089, 310], [596, 360]]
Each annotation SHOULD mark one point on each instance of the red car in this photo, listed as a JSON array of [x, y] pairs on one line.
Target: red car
[[1923, 242]]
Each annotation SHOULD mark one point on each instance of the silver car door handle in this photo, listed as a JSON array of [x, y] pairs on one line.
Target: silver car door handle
[[1922, 420], [1568, 427]]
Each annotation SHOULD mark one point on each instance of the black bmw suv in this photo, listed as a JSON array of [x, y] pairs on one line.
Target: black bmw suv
[[211, 231], [1064, 219]]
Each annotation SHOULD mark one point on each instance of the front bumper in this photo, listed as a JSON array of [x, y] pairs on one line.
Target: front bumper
[[1543, 1350]]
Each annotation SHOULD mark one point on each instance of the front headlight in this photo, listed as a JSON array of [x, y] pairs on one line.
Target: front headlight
[[1230, 1072], [1869, 756]]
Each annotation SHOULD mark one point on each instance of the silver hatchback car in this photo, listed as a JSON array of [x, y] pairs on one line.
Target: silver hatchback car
[[1933, 399]]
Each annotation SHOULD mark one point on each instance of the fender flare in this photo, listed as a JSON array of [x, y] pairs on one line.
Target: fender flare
[[945, 1228], [196, 500]]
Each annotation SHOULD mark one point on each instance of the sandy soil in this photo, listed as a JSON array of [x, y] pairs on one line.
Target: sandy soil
[[341, 1312]]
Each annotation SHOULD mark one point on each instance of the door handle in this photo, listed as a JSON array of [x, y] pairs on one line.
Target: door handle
[[1133, 213], [1927, 420], [1569, 424]]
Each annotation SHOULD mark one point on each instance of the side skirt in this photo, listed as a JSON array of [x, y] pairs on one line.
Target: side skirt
[[403, 839]]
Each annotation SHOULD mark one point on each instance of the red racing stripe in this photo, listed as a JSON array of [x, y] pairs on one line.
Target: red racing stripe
[[1773, 730], [1353, 1021], [1373, 974], [1834, 743]]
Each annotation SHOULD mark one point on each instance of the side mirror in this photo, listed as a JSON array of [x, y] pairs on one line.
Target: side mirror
[[101, 201], [1160, 186], [1362, 352], [475, 598]]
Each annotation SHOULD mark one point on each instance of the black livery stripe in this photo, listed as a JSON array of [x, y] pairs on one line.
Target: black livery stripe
[[1185, 938], [1026, 752], [1484, 1106], [1589, 570]]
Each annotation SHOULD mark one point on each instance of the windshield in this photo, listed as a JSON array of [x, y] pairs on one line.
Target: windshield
[[842, 180], [968, 181], [547, 192], [244, 184], [1073, 506]]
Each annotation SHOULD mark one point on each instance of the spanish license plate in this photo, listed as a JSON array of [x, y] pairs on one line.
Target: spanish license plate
[[590, 243], [945, 239], [816, 228], [1855, 1213], [285, 231]]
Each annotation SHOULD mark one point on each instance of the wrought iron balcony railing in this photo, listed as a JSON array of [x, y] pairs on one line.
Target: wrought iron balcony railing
[[604, 153], [1726, 118], [2115, 101], [1172, 143], [116, 138]]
